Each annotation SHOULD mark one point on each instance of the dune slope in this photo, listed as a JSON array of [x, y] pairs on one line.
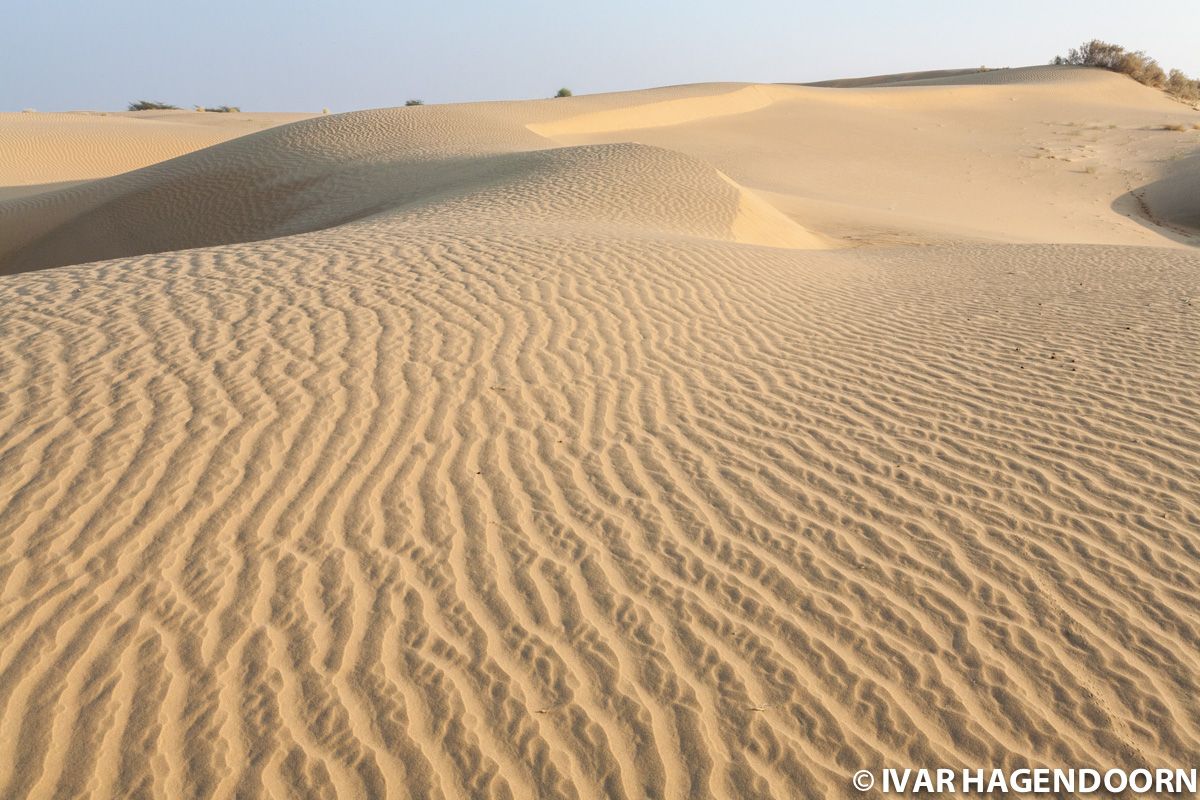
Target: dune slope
[[451, 459]]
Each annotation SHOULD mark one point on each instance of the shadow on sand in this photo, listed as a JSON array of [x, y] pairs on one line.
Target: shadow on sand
[[1171, 205]]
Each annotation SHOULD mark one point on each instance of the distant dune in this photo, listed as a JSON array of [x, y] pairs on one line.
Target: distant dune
[[704, 441], [54, 148]]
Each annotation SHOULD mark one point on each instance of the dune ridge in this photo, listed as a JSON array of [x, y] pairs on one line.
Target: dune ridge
[[413, 453]]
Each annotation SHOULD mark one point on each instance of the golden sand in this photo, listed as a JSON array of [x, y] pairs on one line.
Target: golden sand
[[706, 441]]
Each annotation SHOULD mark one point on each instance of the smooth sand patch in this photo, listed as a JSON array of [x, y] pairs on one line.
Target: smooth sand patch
[[40, 148]]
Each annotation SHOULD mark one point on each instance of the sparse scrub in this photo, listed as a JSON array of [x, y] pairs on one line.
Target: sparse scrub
[[1134, 63], [1175, 126], [223, 109], [414, 102], [1182, 86], [563, 92], [151, 105]]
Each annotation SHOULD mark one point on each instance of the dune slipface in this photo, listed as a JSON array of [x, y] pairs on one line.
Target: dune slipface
[[518, 450]]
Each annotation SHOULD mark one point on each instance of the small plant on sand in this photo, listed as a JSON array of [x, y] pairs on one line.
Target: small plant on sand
[[223, 109], [563, 92], [1174, 126], [414, 102], [150, 105]]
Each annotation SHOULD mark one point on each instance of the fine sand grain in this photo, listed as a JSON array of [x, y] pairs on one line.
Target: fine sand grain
[[707, 441]]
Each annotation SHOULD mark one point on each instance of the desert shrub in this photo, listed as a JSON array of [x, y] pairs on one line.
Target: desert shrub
[[563, 92], [1134, 63], [1094, 54], [223, 109], [1174, 126], [414, 102], [1143, 69], [1182, 86], [150, 105]]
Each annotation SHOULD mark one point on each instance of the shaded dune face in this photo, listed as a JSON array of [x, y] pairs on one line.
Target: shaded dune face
[[326, 172], [314, 174], [475, 465], [1172, 203]]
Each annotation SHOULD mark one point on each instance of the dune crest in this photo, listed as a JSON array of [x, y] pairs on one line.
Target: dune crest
[[662, 112]]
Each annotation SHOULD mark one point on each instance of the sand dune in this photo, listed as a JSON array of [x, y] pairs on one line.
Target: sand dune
[[1073, 76], [308, 177], [596, 447], [54, 148]]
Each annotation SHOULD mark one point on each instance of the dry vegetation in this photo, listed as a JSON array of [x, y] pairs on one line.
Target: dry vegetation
[[1134, 63], [1182, 86], [151, 105]]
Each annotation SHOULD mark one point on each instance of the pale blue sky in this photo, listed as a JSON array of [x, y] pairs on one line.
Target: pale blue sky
[[294, 55]]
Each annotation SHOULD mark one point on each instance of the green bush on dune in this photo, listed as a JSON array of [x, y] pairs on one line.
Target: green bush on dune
[[563, 92], [150, 105], [1134, 63]]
